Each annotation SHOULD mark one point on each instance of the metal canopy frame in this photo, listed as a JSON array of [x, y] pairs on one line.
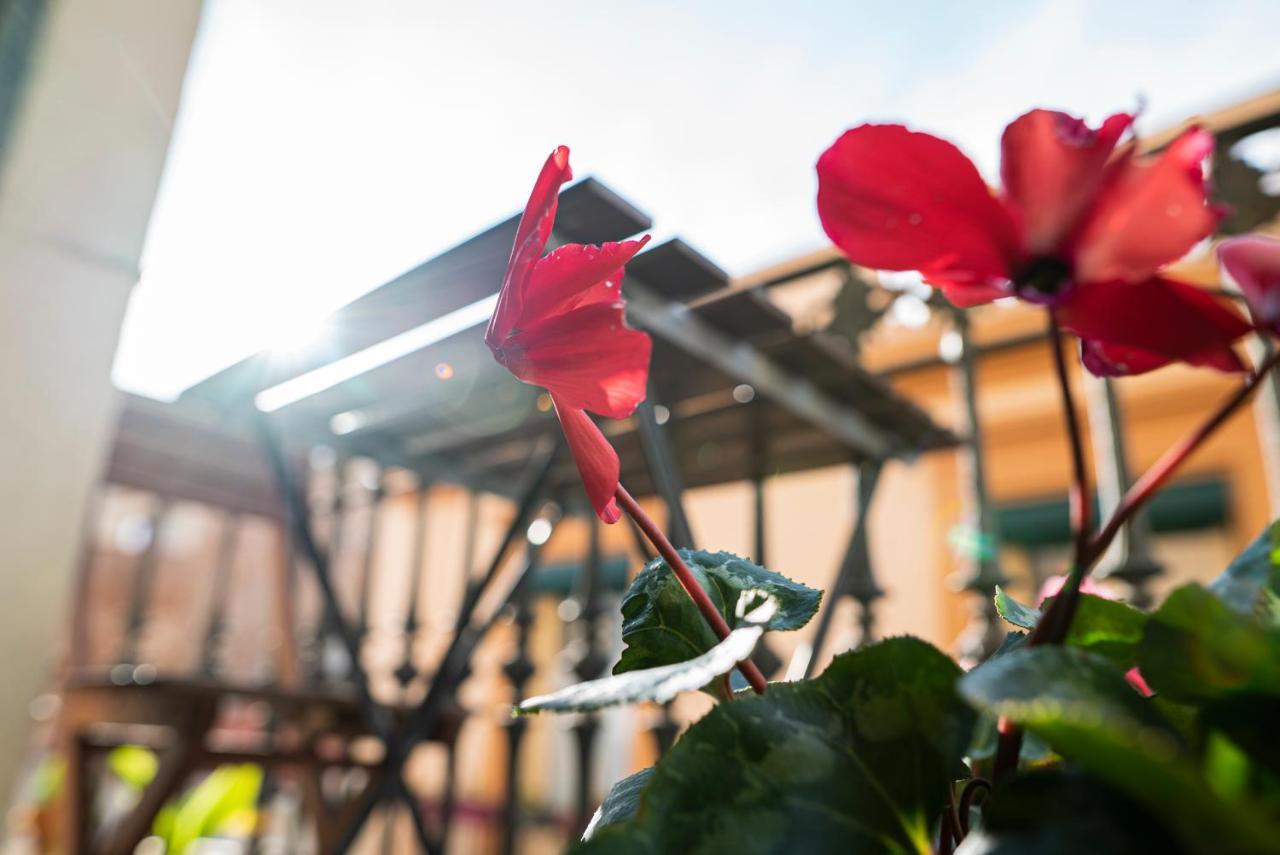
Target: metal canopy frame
[[734, 336]]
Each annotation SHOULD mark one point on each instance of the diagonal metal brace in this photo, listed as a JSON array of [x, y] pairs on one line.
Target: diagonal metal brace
[[453, 665]]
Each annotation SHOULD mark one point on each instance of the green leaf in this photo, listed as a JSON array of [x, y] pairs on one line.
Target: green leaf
[[985, 740], [1014, 612], [1107, 627], [227, 791], [1252, 582], [857, 760], [1248, 720], [1182, 717], [133, 764], [659, 684], [1012, 641], [1226, 766], [662, 626], [49, 777], [1195, 647], [1054, 812], [1081, 705], [621, 803]]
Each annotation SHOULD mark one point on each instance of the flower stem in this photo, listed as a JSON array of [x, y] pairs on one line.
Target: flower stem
[[1078, 497], [1009, 742], [1154, 478], [1008, 750], [687, 581], [1056, 621], [1137, 496]]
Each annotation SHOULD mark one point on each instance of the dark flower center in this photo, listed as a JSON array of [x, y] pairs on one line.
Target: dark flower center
[[510, 350], [1042, 278]]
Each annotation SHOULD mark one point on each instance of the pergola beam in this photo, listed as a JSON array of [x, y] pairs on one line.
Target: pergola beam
[[679, 326]]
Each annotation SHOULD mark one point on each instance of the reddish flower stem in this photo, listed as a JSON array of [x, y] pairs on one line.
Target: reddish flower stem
[[1009, 735], [1056, 621], [1008, 750], [950, 833], [1154, 478], [967, 796], [688, 582], [1137, 496], [1078, 497]]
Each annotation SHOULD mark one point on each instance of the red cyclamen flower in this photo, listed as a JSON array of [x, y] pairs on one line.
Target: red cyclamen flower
[[559, 324], [1082, 226], [1253, 262]]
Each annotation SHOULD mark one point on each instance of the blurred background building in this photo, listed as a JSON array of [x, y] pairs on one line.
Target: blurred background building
[[158, 593]]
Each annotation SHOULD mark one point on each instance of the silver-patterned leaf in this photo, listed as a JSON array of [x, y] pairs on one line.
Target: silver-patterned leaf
[[659, 684]]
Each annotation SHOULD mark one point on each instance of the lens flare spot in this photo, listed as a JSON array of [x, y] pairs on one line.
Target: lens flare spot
[[539, 531]]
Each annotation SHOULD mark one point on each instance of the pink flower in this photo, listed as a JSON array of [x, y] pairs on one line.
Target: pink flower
[[1253, 262]]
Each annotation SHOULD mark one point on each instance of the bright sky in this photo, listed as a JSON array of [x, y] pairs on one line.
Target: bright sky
[[324, 146]]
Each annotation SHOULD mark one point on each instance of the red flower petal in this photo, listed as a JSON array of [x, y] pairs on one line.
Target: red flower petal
[[1052, 166], [1150, 213], [563, 279], [588, 358], [1110, 360], [967, 296], [596, 460], [1163, 317], [1253, 262], [894, 199], [531, 239]]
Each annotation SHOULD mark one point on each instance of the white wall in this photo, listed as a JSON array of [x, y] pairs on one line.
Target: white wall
[[79, 178]]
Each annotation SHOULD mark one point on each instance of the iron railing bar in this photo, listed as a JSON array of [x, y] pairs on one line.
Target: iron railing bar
[[1131, 560], [985, 630], [143, 578], [223, 566], [407, 670], [465, 639], [377, 717], [590, 666], [370, 555], [663, 471], [518, 670], [660, 461], [848, 567], [337, 511]]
